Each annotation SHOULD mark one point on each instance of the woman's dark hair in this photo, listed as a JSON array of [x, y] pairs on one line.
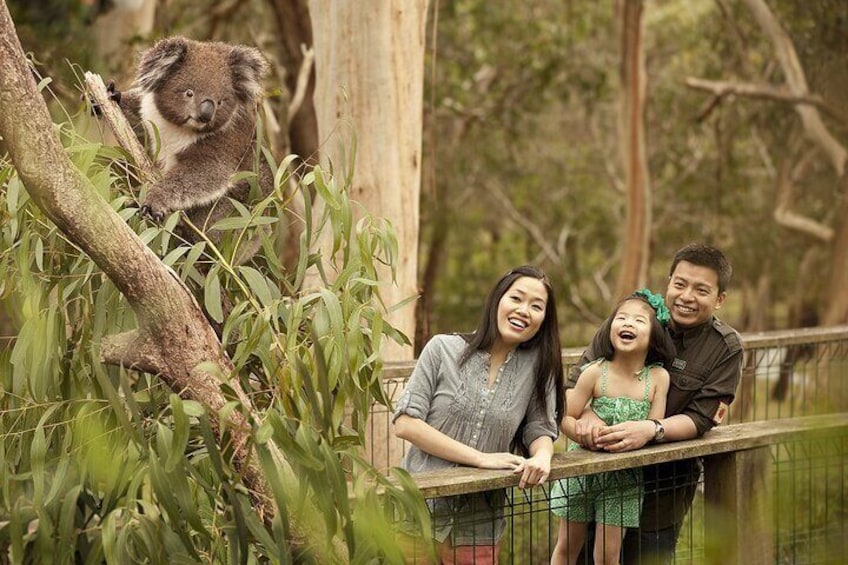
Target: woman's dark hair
[[546, 340], [660, 346]]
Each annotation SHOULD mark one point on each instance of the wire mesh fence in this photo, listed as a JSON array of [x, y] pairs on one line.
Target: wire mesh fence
[[801, 518]]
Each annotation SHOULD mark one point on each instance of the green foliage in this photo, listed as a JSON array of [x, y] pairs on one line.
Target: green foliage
[[101, 464]]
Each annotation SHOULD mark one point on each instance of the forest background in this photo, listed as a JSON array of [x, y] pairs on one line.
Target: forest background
[[523, 159]]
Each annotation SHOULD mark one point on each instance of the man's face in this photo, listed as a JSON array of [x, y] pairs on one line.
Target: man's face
[[692, 295]]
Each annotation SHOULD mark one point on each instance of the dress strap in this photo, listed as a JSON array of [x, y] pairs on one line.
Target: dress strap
[[648, 380], [604, 373]]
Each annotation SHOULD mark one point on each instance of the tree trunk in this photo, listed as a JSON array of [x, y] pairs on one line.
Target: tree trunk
[[836, 304], [295, 31], [114, 32], [369, 63], [633, 270]]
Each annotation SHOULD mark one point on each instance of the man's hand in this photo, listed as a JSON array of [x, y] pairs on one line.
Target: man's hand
[[587, 429], [625, 436]]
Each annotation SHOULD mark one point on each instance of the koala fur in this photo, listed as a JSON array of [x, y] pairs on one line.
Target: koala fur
[[201, 99]]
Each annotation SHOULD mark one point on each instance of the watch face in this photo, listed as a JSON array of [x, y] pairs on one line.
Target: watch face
[[660, 433]]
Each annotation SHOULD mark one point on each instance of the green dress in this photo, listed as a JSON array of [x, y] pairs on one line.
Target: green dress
[[614, 497]]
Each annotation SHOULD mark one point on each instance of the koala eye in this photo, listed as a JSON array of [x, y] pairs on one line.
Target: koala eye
[[189, 93]]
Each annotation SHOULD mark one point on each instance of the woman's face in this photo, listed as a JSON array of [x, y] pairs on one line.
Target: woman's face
[[521, 310], [631, 326]]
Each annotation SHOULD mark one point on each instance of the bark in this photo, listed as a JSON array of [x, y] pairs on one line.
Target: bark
[[369, 60], [633, 271], [173, 337]]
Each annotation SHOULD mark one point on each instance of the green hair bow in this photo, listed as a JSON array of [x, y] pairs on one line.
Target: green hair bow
[[657, 302]]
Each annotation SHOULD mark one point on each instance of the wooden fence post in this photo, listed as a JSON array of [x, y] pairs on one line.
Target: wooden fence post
[[737, 525]]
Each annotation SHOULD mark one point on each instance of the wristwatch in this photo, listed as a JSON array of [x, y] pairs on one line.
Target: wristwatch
[[659, 433]]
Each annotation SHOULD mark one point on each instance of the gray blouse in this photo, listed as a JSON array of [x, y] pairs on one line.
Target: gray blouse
[[458, 402]]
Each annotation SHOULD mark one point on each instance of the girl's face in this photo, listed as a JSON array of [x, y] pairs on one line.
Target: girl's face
[[631, 326], [521, 310]]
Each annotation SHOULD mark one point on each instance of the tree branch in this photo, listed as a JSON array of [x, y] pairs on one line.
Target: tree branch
[[722, 89], [785, 216], [120, 127], [303, 77]]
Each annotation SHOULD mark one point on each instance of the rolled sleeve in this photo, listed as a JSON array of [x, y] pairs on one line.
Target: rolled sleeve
[[420, 388], [719, 388], [541, 422]]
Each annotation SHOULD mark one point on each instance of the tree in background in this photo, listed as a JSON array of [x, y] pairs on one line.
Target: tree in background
[[636, 236], [368, 96]]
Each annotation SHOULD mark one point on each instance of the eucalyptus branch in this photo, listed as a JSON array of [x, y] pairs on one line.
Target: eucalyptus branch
[[723, 89]]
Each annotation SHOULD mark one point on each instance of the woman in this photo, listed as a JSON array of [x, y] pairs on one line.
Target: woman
[[481, 399]]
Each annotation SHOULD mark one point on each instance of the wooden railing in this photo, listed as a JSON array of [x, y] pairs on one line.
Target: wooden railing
[[739, 486]]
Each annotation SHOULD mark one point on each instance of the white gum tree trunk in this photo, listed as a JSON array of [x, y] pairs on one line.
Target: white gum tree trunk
[[369, 64]]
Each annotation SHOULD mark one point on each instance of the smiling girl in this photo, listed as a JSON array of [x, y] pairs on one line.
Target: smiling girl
[[490, 399], [628, 382]]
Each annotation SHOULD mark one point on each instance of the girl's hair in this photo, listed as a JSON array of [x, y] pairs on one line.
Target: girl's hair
[[660, 346], [549, 361]]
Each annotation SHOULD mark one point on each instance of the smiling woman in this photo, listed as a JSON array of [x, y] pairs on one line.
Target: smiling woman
[[491, 399]]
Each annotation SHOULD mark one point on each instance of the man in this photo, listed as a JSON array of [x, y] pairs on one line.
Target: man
[[704, 376]]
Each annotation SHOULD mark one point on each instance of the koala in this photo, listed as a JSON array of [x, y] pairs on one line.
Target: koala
[[199, 100]]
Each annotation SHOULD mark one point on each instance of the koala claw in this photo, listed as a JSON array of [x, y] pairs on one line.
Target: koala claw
[[147, 212], [114, 95]]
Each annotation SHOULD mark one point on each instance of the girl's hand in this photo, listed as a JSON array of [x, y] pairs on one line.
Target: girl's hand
[[587, 429], [535, 470], [501, 460]]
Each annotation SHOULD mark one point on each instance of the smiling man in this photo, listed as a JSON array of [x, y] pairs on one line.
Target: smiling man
[[704, 376]]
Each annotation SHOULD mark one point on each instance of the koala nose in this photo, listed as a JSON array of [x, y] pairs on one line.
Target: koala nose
[[207, 111]]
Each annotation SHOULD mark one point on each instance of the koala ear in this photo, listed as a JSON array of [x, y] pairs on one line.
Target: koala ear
[[159, 62], [248, 67]]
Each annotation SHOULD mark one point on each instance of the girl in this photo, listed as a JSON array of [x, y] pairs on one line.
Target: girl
[[626, 383], [476, 399]]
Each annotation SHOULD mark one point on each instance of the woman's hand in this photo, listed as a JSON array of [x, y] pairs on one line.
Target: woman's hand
[[535, 470], [500, 460]]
